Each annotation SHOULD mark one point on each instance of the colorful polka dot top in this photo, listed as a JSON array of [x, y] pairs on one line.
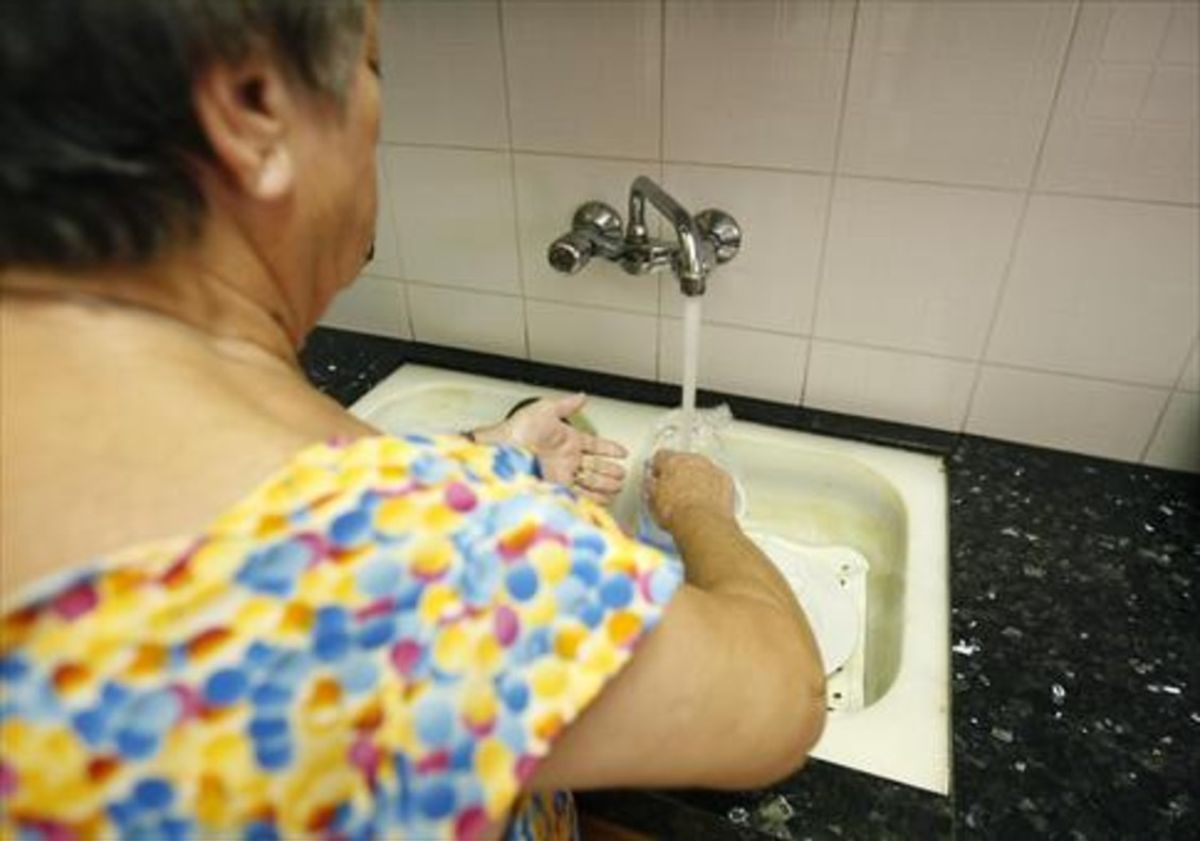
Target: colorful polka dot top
[[383, 640]]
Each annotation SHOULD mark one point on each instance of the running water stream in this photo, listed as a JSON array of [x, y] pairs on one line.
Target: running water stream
[[691, 354]]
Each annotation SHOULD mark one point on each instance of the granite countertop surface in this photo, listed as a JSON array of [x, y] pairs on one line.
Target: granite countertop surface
[[1074, 633]]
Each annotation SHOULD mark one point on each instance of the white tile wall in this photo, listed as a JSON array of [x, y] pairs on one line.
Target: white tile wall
[[1067, 413], [385, 261], [1176, 444], [444, 74], [455, 216], [769, 366], [952, 91], [924, 390], [1128, 112], [773, 97], [1104, 289], [603, 340], [585, 76], [914, 266], [952, 210], [771, 283], [371, 305], [472, 320]]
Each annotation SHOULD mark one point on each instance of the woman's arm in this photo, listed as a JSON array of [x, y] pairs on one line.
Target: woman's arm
[[729, 690]]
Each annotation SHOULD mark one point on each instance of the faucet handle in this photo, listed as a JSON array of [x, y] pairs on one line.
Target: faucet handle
[[722, 230], [595, 228]]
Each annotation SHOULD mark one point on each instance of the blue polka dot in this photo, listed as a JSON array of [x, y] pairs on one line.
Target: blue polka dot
[[435, 722], [379, 578], [270, 696], [664, 581], [512, 732], [259, 654], [377, 631], [522, 582], [154, 712], [273, 756], [350, 528], [436, 800], [113, 694], [123, 813], [331, 618], [153, 793], [591, 614], [502, 464], [261, 831], [515, 694], [134, 744], [274, 570], [570, 594], [358, 675], [176, 829], [91, 725], [587, 571], [13, 667], [225, 687], [331, 646], [267, 728], [289, 668], [617, 591], [588, 546], [462, 758]]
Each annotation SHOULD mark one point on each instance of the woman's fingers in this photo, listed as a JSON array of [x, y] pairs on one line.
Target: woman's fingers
[[602, 467], [593, 445]]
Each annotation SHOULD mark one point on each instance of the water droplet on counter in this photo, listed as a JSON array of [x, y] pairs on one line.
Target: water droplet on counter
[[1059, 694], [1002, 735]]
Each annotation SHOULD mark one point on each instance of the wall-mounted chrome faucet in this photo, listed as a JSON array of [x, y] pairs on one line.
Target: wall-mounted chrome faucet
[[701, 242]]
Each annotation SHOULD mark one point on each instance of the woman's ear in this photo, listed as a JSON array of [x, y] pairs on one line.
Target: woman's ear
[[246, 111]]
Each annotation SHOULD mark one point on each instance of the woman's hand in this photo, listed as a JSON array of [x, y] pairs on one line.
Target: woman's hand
[[681, 481], [567, 456]]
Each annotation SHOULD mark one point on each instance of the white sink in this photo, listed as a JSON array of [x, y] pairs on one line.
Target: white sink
[[887, 505]]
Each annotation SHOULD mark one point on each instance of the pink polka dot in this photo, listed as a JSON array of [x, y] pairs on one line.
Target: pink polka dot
[[507, 625], [365, 756], [526, 765], [405, 656], [75, 602], [460, 497], [436, 761], [471, 824]]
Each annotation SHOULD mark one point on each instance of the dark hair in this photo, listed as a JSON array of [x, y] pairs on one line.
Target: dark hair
[[96, 116]]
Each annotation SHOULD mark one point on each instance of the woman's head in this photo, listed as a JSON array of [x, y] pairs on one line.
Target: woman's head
[[129, 125]]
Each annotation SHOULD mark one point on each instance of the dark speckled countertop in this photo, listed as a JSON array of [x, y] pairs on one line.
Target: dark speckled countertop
[[1076, 645]]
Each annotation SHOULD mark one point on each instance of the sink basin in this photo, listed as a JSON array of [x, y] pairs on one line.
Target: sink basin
[[887, 506]]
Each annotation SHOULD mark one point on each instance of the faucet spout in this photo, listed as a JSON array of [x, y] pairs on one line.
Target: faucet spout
[[691, 262]]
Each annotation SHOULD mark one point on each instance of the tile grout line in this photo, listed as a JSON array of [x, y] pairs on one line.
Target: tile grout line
[[662, 171], [1177, 388], [822, 259], [512, 176], [384, 171], [1022, 218], [854, 176]]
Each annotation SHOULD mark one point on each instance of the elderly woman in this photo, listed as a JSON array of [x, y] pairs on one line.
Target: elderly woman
[[230, 608]]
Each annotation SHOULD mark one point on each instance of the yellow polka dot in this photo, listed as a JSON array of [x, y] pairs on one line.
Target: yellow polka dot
[[440, 517], [479, 705], [488, 653], [568, 640], [437, 601], [432, 557], [551, 560], [227, 753], [256, 613], [623, 626], [493, 761], [601, 659], [548, 678], [395, 515], [621, 562], [451, 649], [542, 611]]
